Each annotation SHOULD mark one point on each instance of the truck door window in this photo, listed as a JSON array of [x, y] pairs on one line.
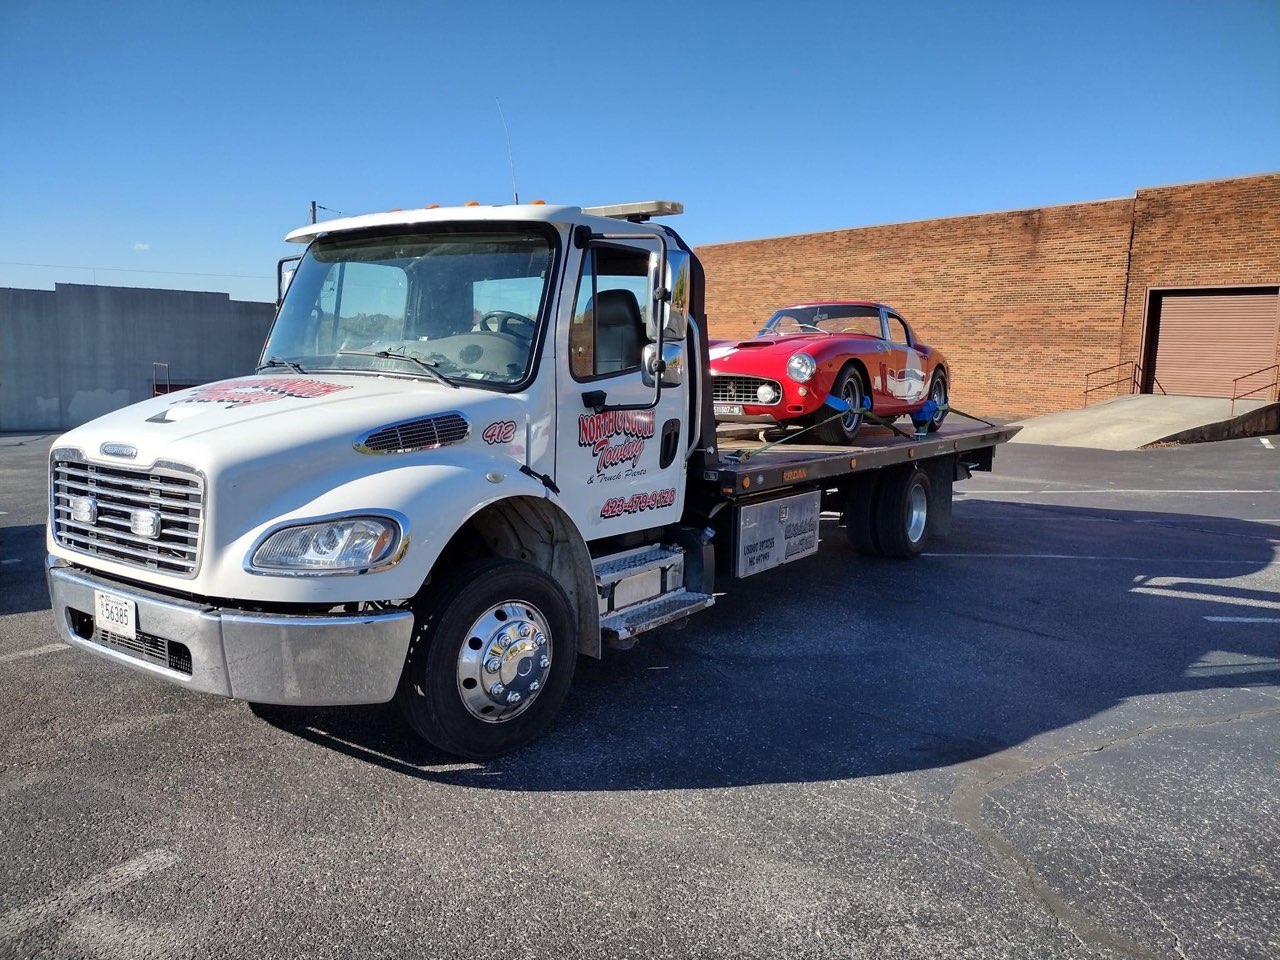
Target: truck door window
[[607, 334]]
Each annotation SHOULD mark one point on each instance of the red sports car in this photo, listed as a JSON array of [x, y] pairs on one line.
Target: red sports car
[[813, 360]]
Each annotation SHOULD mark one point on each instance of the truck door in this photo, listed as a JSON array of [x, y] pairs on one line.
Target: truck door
[[620, 458]]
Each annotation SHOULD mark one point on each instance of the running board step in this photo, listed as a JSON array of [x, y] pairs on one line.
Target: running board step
[[619, 566], [617, 628]]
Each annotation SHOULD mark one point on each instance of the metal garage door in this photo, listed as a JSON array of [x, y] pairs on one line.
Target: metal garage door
[[1207, 340]]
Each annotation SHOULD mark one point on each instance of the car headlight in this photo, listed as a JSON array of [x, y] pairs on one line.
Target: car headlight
[[801, 367], [342, 545]]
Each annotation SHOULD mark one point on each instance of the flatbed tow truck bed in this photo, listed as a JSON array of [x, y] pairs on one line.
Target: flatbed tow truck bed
[[749, 466]]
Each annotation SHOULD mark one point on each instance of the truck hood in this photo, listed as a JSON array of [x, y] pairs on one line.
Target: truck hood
[[258, 417]]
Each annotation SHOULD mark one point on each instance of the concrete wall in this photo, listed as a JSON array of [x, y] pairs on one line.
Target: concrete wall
[[73, 353], [1024, 303]]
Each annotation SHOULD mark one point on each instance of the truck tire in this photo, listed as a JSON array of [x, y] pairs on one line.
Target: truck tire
[[902, 512], [859, 512], [491, 660], [848, 387]]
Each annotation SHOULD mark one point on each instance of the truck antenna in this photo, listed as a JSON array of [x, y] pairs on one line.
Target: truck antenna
[[511, 157]]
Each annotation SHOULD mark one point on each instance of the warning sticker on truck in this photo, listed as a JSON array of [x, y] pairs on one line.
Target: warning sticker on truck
[[771, 534]]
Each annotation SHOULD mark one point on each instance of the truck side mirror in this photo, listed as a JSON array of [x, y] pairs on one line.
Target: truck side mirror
[[285, 269], [672, 366], [670, 285]]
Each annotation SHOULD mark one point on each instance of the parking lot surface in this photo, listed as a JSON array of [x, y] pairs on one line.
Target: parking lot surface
[[1055, 735]]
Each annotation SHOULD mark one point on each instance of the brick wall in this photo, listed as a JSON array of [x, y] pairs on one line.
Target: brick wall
[[1025, 303], [1225, 233]]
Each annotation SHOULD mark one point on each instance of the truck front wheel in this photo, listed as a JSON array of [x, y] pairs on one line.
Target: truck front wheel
[[491, 660]]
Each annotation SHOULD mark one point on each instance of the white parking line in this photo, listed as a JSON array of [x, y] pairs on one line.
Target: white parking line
[[1103, 490], [1266, 443], [33, 652], [1073, 556], [5, 563], [18, 921], [1243, 619]]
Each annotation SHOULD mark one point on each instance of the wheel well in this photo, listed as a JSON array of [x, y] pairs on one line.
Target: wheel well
[[538, 532], [862, 373]]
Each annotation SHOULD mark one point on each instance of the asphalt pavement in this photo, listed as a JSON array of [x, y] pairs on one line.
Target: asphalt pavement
[[1055, 735]]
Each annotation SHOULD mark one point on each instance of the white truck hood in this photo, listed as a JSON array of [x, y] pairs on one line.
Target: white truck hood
[[269, 446]]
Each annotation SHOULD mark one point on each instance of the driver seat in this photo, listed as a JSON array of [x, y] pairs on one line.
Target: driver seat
[[619, 331]]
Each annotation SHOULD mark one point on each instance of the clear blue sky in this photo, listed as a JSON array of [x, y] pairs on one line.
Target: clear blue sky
[[190, 137]]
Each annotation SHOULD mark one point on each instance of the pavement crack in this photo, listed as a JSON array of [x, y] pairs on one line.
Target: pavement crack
[[995, 772]]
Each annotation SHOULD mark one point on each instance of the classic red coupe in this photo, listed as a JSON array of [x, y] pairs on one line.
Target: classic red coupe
[[814, 360]]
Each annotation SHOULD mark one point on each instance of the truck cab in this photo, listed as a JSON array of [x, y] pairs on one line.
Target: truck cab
[[478, 445]]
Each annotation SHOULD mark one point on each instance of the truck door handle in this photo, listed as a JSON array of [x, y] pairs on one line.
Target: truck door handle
[[670, 444]]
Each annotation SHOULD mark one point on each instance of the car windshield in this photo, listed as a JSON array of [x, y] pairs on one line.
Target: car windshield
[[826, 318], [467, 305]]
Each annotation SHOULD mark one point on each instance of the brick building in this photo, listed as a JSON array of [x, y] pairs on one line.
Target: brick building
[[1178, 287]]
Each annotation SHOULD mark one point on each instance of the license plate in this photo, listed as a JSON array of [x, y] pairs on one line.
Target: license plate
[[115, 615], [728, 409]]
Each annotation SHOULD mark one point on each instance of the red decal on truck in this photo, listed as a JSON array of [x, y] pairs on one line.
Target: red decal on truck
[[630, 427], [239, 393], [501, 431]]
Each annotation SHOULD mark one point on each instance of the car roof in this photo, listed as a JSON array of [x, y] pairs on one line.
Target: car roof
[[838, 303]]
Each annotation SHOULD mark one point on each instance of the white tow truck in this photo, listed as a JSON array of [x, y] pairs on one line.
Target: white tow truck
[[480, 444]]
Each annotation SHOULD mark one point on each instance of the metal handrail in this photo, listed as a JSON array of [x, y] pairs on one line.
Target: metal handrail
[[1134, 379], [1235, 385]]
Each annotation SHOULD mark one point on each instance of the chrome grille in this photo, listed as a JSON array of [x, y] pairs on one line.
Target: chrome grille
[[733, 388], [176, 496], [426, 433]]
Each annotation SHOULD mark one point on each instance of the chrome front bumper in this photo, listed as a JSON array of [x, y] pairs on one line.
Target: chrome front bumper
[[262, 658]]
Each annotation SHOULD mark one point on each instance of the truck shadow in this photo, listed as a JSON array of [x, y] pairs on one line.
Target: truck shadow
[[839, 667], [22, 584]]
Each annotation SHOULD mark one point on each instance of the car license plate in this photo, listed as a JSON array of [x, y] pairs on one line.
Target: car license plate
[[115, 615], [728, 409]]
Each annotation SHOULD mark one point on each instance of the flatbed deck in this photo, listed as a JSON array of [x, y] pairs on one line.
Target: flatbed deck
[[749, 466]]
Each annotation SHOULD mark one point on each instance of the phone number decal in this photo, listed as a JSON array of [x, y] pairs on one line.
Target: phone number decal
[[640, 502]]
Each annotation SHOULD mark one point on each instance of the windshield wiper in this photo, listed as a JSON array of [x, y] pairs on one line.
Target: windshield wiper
[[428, 365], [279, 362]]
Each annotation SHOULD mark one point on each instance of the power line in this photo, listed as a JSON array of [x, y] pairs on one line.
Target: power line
[[167, 273]]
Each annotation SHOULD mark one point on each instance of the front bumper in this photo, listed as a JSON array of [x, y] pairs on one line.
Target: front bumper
[[259, 657]]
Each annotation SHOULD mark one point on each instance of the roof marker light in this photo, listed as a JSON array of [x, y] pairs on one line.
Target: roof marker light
[[537, 203], [473, 203], [432, 206]]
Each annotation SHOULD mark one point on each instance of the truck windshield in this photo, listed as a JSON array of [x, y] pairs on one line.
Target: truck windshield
[[466, 304]]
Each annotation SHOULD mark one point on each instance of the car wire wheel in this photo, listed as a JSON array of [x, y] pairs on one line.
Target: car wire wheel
[[938, 394]]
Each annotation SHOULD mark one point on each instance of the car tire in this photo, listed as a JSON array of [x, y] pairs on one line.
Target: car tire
[[493, 611], [902, 512], [939, 395], [843, 430]]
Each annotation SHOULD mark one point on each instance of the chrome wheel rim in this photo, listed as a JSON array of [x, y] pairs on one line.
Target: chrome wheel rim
[[504, 661], [852, 395], [939, 396], [917, 512]]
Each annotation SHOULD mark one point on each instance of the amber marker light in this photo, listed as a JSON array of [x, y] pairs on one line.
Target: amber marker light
[[472, 203]]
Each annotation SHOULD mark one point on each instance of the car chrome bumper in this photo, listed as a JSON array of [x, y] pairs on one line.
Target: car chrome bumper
[[259, 657]]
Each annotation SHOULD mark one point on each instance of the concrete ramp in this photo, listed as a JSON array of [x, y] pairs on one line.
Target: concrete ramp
[[1128, 423]]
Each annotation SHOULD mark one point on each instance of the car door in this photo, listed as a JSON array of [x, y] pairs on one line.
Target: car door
[[905, 382], [620, 459]]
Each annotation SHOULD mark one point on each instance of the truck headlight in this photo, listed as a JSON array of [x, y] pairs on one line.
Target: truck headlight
[[342, 545], [801, 367]]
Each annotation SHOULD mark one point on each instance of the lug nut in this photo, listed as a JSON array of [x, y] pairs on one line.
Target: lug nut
[[513, 697], [540, 640], [533, 685], [496, 690], [493, 665], [544, 663], [525, 629]]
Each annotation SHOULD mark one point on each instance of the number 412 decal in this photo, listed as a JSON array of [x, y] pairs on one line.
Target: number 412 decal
[[500, 431]]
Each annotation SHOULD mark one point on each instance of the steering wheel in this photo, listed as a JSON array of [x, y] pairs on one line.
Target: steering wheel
[[504, 320]]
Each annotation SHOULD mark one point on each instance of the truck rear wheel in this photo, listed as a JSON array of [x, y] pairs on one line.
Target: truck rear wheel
[[491, 661], [902, 512]]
